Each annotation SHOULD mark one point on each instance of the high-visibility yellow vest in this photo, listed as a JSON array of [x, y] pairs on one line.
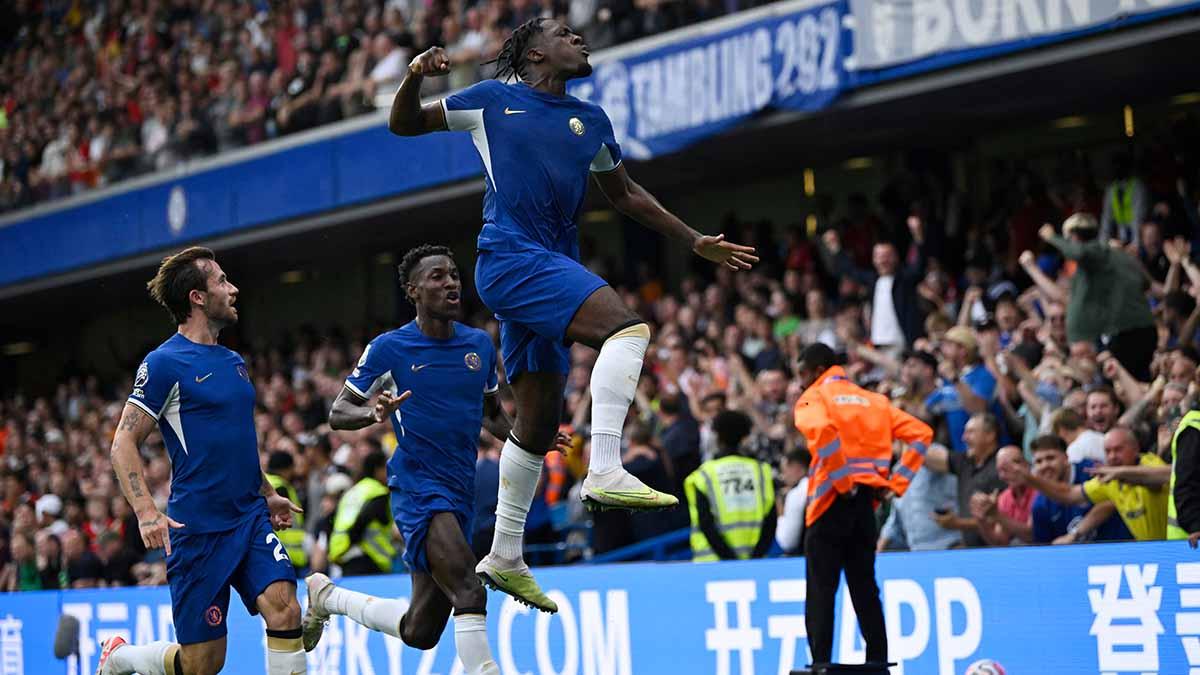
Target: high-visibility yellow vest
[[293, 537], [1174, 531], [1122, 203], [740, 493], [376, 542]]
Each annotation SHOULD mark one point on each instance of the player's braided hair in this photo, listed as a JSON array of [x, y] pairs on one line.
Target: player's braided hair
[[416, 255], [510, 61]]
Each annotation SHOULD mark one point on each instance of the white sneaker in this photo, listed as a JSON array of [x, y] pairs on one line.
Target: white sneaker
[[315, 616]]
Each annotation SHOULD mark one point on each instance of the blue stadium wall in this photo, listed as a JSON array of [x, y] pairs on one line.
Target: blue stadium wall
[[1115, 608]]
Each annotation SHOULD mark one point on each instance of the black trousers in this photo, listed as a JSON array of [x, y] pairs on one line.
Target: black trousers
[[843, 539]]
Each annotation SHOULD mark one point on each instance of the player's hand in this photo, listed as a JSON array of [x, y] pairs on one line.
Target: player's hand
[[155, 528], [733, 256], [386, 404], [432, 62], [281, 509]]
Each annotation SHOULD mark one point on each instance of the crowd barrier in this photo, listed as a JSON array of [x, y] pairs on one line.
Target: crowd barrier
[[1102, 608]]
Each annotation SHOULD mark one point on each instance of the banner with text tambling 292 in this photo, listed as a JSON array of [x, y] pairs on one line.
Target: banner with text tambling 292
[[1090, 609], [663, 98], [894, 32]]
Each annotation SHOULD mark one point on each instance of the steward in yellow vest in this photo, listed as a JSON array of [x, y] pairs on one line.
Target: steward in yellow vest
[[731, 499], [280, 467], [362, 527]]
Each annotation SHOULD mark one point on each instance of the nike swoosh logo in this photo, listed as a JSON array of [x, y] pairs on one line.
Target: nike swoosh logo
[[201, 379], [510, 111], [417, 369], [640, 494]]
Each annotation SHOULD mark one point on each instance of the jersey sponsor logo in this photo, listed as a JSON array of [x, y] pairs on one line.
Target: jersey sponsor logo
[[510, 111], [202, 379], [243, 372], [213, 616], [417, 369], [473, 361], [576, 126]]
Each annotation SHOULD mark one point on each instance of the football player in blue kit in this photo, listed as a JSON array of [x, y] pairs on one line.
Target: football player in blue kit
[[538, 145], [218, 529], [446, 372]]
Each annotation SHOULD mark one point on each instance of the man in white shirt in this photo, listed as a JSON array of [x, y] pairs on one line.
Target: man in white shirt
[[1082, 443], [789, 532], [886, 333]]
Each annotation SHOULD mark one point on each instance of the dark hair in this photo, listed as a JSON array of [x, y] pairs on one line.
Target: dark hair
[[1048, 442], [178, 275], [798, 455], [989, 420], [411, 259], [280, 461], [510, 61], [1107, 391], [372, 463], [817, 355], [731, 427], [671, 404]]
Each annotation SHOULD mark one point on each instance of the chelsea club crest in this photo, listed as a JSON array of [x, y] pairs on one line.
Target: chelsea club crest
[[472, 361], [576, 126]]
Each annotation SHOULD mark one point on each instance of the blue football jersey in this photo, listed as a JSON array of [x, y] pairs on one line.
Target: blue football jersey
[[437, 428], [203, 401], [537, 149]]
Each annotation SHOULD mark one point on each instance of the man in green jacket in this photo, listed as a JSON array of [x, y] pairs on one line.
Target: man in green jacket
[[1108, 295]]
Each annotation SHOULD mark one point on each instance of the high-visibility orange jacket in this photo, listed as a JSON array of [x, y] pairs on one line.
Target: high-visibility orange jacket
[[850, 432]]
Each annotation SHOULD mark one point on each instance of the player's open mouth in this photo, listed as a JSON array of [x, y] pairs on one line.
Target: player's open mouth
[[452, 298]]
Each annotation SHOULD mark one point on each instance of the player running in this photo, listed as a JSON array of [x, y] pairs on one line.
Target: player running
[[218, 531], [538, 145], [452, 369]]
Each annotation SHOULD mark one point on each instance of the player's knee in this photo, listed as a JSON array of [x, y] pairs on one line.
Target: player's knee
[[416, 637], [468, 594], [280, 611]]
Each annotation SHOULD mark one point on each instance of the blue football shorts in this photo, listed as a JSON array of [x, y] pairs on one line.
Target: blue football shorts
[[535, 294]]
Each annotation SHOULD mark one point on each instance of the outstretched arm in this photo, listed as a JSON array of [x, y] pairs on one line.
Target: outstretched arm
[[351, 411], [634, 201], [408, 116]]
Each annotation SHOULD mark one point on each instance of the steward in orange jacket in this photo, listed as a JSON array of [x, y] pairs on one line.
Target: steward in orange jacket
[[850, 433]]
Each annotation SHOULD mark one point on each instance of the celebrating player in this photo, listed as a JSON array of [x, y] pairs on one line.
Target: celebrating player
[[537, 145], [218, 531], [452, 369]]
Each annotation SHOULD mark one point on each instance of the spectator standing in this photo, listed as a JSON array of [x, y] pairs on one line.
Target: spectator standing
[[1107, 298], [1082, 442], [1126, 203], [789, 532], [1004, 519], [968, 387], [909, 526]]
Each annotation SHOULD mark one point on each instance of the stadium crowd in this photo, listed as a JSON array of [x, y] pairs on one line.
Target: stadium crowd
[[92, 93], [1044, 356]]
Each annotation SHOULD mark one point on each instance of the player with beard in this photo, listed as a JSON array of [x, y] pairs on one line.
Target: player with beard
[[446, 372], [538, 145], [218, 529]]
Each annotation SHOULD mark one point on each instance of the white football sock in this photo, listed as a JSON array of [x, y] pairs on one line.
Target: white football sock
[[519, 473], [614, 382], [285, 656], [470, 638], [375, 613], [151, 659]]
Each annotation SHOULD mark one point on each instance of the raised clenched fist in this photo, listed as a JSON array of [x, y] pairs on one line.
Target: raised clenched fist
[[432, 62]]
